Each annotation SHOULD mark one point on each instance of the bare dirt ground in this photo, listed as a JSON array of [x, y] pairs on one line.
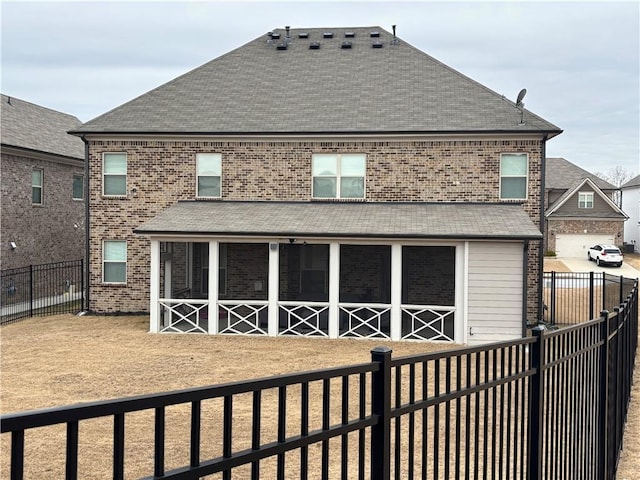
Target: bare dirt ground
[[66, 359]]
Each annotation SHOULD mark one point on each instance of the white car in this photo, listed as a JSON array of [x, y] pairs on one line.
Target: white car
[[605, 255]]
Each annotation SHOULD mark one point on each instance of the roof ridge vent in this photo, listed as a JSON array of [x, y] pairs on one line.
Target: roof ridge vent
[[314, 45], [327, 35], [376, 45], [274, 35], [303, 35], [349, 34], [282, 46], [346, 45], [375, 34]]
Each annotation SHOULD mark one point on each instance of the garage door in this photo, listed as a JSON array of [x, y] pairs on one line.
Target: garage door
[[576, 245]]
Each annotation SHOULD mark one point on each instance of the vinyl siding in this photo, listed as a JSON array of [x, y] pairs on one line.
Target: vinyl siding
[[495, 291]]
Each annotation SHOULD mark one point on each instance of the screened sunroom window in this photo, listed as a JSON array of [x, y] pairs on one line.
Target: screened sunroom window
[[338, 175], [209, 172], [114, 169], [114, 268], [513, 176]]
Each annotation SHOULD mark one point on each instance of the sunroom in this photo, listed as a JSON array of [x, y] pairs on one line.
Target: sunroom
[[353, 270]]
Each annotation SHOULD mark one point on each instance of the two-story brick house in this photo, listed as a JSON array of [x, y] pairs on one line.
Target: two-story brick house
[[42, 186], [331, 182]]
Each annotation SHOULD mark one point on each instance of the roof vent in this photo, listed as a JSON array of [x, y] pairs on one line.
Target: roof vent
[[327, 34], [376, 45], [314, 45], [303, 35], [275, 36], [375, 34], [346, 45], [349, 34], [282, 46]]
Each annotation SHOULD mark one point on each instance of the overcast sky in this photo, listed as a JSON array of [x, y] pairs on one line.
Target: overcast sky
[[579, 61]]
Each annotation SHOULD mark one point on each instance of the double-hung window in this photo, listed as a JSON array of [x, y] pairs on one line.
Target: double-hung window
[[36, 186], [114, 178], [114, 261], [209, 172], [78, 187], [338, 175], [585, 199], [513, 176]]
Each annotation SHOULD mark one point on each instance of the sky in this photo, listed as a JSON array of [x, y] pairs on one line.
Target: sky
[[578, 60]]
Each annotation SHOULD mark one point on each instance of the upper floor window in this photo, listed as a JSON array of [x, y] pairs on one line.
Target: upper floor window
[[114, 170], [209, 172], [78, 187], [585, 199], [338, 175], [513, 176], [114, 261], [36, 186]]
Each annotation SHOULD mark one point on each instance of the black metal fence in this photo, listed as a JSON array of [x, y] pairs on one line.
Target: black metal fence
[[46, 289], [549, 406], [573, 297]]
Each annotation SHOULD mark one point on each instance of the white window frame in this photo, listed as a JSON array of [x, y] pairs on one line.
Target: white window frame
[[73, 193], [585, 199], [105, 261], [105, 174], [525, 176], [338, 176], [35, 186], [216, 156]]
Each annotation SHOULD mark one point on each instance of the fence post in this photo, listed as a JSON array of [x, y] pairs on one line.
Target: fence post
[[552, 313], [604, 395], [536, 399], [591, 294], [381, 408], [82, 296], [31, 290]]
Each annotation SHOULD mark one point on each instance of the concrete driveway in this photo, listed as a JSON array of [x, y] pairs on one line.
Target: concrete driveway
[[584, 265]]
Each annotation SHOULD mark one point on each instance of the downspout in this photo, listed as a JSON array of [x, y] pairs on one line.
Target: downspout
[[525, 287], [543, 168], [87, 250]]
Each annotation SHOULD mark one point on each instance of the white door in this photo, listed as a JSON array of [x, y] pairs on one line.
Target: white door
[[577, 244]]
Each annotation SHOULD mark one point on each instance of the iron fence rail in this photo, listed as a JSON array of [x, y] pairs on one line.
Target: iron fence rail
[[46, 289], [548, 406]]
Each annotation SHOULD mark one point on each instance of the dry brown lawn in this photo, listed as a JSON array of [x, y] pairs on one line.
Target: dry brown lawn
[[66, 359]]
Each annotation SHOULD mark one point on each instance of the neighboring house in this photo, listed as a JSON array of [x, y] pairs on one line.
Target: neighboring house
[[327, 182], [42, 186], [631, 206], [579, 210]]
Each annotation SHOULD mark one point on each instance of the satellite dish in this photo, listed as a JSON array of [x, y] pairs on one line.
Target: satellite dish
[[521, 95]]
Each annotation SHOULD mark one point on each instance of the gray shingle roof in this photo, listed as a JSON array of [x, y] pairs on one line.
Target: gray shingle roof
[[319, 219], [634, 182], [29, 126], [258, 88], [561, 174]]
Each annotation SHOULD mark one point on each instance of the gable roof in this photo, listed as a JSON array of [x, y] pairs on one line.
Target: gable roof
[[261, 89], [616, 212], [32, 127], [633, 183], [351, 220], [561, 174]]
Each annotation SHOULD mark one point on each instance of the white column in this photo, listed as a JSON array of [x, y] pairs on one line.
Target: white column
[[154, 287], [214, 261], [396, 291], [334, 289], [461, 329], [274, 287]]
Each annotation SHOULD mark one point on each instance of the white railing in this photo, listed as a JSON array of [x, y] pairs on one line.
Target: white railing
[[308, 319], [427, 322], [243, 317], [365, 321], [184, 315]]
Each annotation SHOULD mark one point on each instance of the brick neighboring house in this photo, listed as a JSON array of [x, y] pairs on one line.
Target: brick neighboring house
[[579, 210], [42, 185], [329, 182], [631, 206]]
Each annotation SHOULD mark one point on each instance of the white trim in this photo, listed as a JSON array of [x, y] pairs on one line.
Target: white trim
[[126, 261], [126, 175], [586, 199], [274, 287], [526, 177], [219, 158], [214, 253], [396, 291], [462, 292], [154, 287], [334, 289]]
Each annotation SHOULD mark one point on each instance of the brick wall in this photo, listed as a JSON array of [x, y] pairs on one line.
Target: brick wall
[[162, 172], [43, 233]]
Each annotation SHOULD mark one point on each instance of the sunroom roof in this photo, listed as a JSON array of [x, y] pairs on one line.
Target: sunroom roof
[[454, 220]]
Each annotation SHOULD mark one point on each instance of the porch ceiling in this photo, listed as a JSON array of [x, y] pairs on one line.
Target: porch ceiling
[[349, 219]]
